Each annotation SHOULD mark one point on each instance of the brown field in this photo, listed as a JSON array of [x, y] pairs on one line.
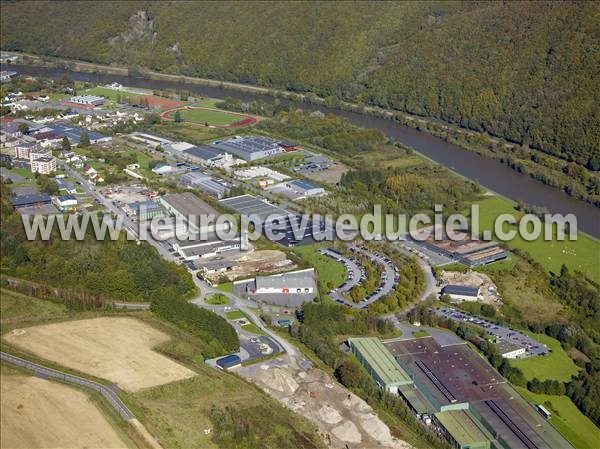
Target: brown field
[[38, 413], [332, 175], [114, 348]]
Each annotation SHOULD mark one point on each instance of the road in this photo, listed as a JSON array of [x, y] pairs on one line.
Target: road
[[43, 371]]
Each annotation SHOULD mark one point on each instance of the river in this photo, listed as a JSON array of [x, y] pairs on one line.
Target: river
[[488, 172]]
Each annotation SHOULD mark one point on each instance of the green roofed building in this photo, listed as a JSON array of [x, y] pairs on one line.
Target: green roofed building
[[379, 362], [461, 430]]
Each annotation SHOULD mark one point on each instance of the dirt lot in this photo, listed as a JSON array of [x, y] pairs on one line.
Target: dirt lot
[[38, 413], [474, 279], [332, 175], [252, 262], [117, 349], [344, 420]]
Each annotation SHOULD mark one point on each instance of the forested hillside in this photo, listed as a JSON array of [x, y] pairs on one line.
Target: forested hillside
[[524, 71]]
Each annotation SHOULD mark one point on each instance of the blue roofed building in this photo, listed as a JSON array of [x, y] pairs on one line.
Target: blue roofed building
[[228, 362]]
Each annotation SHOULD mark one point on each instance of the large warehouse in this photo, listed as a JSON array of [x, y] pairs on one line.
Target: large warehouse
[[249, 148], [290, 289], [380, 363], [461, 429], [208, 184], [187, 205]]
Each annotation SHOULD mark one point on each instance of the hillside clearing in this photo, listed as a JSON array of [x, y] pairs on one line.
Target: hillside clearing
[[118, 349]]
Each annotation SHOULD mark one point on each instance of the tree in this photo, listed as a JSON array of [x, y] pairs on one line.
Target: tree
[[23, 128], [66, 145], [177, 117], [85, 139]]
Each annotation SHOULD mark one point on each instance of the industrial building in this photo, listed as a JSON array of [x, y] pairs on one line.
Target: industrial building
[[150, 140], [164, 169], [249, 148], [203, 154], [509, 350], [66, 202], [74, 133], [229, 362], [454, 378], [297, 189], [290, 289], [208, 184], [471, 252], [147, 210], [205, 247], [37, 199], [191, 209], [461, 430], [378, 361], [292, 230], [462, 292], [88, 100]]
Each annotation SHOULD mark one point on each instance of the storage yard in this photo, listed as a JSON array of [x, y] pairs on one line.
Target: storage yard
[[117, 349]]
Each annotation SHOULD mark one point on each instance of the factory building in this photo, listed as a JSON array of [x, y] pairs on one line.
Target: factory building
[[380, 363], [462, 292], [192, 210], [461, 430], [290, 289], [249, 148], [87, 100], [210, 185]]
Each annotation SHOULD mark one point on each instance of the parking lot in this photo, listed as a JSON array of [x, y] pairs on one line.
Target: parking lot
[[288, 227], [502, 333]]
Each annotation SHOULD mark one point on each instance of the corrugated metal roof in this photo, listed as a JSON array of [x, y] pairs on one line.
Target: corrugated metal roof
[[380, 360], [463, 428]]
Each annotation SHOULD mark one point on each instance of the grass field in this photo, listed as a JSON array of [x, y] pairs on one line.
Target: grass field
[[581, 254], [114, 348], [235, 315], [23, 172], [330, 272], [180, 413], [38, 413], [217, 299], [111, 94], [16, 309], [567, 419], [557, 365], [253, 329], [226, 287], [212, 117]]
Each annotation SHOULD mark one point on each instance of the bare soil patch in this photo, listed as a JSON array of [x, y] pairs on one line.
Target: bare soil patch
[[38, 413], [115, 348]]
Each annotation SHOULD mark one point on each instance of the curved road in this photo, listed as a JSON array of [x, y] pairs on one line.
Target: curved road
[[43, 371]]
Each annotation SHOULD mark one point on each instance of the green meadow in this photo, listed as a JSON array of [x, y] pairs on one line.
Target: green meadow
[[582, 254]]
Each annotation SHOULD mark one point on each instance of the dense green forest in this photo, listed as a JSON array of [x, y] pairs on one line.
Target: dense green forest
[[108, 270], [524, 71]]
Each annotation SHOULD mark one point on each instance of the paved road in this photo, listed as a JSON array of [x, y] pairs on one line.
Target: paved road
[[46, 372], [389, 277]]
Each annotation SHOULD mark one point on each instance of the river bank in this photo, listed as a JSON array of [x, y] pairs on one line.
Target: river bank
[[484, 170]]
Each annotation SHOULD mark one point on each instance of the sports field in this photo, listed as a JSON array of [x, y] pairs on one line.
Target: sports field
[[118, 349], [212, 117], [38, 413], [557, 365], [581, 254], [567, 419], [112, 94]]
